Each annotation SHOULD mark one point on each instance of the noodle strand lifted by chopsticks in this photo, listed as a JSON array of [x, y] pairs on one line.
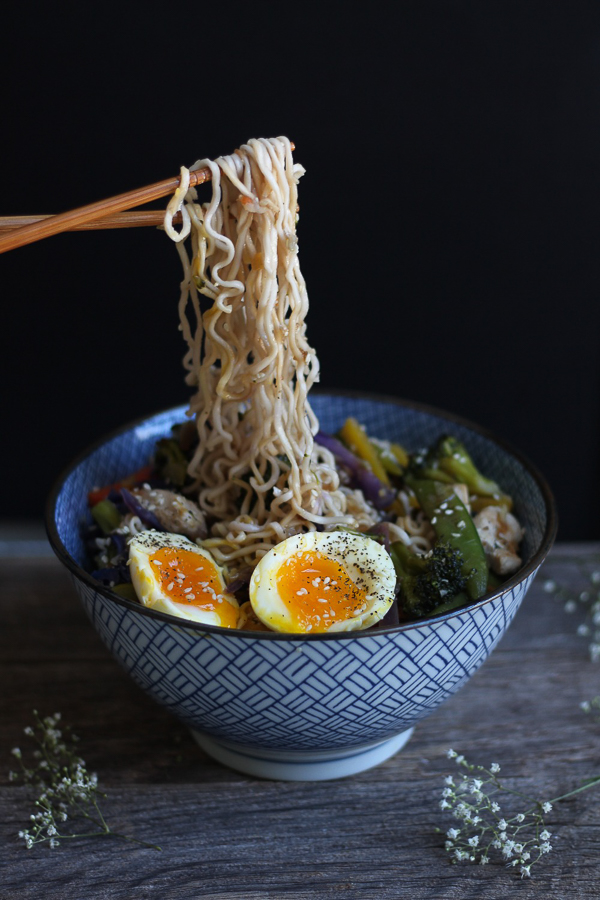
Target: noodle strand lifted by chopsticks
[[258, 474]]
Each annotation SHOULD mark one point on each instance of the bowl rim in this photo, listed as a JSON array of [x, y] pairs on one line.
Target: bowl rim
[[199, 628]]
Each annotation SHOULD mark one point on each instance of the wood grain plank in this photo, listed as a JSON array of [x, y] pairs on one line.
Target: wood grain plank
[[225, 835]]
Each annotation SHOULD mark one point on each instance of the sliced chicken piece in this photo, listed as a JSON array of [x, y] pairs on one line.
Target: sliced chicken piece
[[175, 513], [500, 535], [462, 492]]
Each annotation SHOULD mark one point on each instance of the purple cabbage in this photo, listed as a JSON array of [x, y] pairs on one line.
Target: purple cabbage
[[242, 580], [382, 530], [146, 515], [119, 542], [391, 618], [112, 575], [379, 494]]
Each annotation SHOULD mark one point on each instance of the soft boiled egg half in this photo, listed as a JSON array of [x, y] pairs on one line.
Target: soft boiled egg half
[[323, 581], [172, 574]]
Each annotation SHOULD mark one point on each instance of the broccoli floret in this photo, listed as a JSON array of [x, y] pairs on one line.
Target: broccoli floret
[[170, 462], [443, 577], [440, 578]]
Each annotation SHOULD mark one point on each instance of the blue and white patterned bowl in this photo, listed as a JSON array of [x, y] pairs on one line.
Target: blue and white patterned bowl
[[312, 706]]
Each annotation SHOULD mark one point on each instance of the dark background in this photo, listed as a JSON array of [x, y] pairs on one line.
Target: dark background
[[449, 227]]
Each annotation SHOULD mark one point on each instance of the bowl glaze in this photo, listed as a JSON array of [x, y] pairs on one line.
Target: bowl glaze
[[310, 706]]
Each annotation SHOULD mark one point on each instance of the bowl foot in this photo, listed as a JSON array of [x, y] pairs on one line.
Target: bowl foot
[[309, 765]]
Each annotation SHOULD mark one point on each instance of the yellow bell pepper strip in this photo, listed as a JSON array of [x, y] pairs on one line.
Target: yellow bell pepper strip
[[355, 437], [400, 454]]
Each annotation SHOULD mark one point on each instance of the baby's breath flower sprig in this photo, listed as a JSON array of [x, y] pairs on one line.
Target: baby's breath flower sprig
[[68, 793], [484, 829], [588, 598], [591, 707]]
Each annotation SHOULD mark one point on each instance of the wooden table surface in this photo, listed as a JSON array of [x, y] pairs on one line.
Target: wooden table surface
[[226, 835]]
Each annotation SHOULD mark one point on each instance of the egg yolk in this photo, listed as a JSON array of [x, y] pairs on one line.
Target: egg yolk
[[190, 579], [318, 592]]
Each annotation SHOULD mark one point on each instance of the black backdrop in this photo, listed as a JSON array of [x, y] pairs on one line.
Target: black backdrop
[[449, 227]]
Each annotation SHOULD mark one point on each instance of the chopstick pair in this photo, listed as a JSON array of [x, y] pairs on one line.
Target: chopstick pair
[[109, 213]]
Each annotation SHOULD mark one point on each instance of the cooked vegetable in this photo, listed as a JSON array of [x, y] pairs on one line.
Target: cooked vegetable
[[429, 580], [138, 509], [400, 454], [170, 461], [111, 575], [106, 515], [356, 438], [98, 494], [378, 493], [125, 590], [172, 512], [453, 525], [449, 460]]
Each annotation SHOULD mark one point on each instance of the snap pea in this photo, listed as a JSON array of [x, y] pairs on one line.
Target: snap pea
[[407, 573]]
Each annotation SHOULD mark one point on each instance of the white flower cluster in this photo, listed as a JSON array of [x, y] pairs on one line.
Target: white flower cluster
[[589, 598], [67, 790], [591, 706], [482, 828]]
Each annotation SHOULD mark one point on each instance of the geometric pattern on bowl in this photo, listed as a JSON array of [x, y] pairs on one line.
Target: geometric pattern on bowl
[[310, 692]]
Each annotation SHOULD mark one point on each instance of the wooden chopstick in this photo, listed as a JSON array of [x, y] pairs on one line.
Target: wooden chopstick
[[85, 215], [133, 218]]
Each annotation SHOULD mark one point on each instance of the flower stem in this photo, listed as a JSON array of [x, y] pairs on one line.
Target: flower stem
[[582, 787]]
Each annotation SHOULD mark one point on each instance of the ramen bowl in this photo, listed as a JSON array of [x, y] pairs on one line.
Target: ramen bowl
[[303, 707]]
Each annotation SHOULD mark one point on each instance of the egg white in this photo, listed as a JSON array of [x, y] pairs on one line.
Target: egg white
[[364, 560], [149, 589]]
